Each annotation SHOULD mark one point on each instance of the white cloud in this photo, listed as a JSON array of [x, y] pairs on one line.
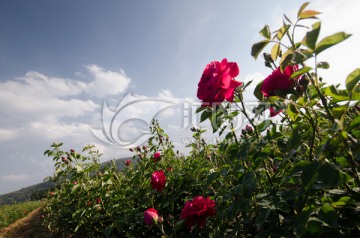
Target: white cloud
[[15, 177], [8, 134], [106, 82]]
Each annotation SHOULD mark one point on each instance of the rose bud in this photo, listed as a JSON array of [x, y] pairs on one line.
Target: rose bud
[[243, 132], [268, 57], [249, 129], [157, 156], [127, 162], [131, 149], [151, 217], [98, 200], [72, 151], [138, 148]]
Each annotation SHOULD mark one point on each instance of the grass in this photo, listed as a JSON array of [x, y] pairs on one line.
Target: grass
[[10, 213]]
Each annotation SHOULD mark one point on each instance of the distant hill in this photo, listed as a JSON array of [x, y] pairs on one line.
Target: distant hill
[[38, 191]]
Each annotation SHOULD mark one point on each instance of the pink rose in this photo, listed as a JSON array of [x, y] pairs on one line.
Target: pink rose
[[197, 210], [158, 180], [217, 82], [157, 156], [151, 217]]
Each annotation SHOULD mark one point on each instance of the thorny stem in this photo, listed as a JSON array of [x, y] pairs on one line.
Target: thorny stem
[[242, 109], [313, 126]]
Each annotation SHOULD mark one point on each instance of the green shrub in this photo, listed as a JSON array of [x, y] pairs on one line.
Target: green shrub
[[295, 178]]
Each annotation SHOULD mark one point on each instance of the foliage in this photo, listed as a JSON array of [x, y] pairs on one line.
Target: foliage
[[10, 213], [295, 178]]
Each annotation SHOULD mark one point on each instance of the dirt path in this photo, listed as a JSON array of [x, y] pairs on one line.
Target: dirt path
[[27, 227]]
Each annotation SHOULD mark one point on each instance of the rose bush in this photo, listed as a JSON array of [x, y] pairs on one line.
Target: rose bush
[[297, 177]]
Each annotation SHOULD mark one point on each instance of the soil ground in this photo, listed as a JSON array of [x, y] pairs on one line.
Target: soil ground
[[27, 227]]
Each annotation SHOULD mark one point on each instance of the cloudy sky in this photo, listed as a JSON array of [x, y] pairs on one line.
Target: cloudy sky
[[82, 71]]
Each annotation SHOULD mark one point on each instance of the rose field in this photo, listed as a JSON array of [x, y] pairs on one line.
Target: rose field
[[292, 174]]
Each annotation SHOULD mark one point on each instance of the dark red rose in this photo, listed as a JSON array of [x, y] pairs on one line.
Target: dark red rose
[[151, 217], [217, 82], [158, 180], [197, 210], [279, 81], [127, 162], [157, 156]]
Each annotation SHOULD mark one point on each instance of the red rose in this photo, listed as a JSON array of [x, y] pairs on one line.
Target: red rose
[[217, 83], [157, 156], [278, 80], [197, 210], [151, 216], [127, 162], [158, 180]]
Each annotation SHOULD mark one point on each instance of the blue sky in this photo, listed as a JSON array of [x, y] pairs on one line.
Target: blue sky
[[60, 61]]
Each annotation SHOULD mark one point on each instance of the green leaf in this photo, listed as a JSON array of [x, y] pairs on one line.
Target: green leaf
[[352, 79], [265, 32], [312, 36], [355, 123], [257, 92], [263, 215], [336, 94], [330, 176], [200, 109], [286, 18], [249, 182], [328, 215], [263, 125], [205, 115], [309, 14], [302, 8], [323, 65], [300, 72], [292, 112], [300, 56], [258, 47], [331, 41], [282, 31]]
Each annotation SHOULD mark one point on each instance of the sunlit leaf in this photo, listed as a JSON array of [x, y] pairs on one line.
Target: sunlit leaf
[[258, 47], [352, 79], [265, 32], [330, 41], [301, 56], [292, 112], [282, 31], [286, 59], [302, 8], [312, 36], [336, 94], [309, 14], [275, 51], [300, 72]]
